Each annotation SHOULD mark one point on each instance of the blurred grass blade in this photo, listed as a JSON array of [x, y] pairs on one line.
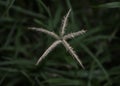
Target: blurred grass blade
[[6, 69], [45, 7], [25, 63], [57, 16], [19, 9], [64, 82], [113, 34], [92, 32], [28, 77], [7, 19], [110, 5], [95, 38], [3, 78], [10, 3], [9, 38], [97, 61], [91, 74], [39, 22]]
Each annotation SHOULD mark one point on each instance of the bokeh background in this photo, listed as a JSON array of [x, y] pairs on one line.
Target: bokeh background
[[98, 48]]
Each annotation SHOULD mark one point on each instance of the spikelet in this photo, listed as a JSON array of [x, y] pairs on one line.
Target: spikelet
[[45, 31], [64, 23], [74, 34], [48, 51], [72, 52]]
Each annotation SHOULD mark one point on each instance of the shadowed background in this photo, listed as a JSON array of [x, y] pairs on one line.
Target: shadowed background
[[98, 48]]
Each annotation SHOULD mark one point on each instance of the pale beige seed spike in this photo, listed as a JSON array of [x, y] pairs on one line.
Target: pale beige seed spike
[[64, 23], [45, 31], [74, 34], [72, 52], [48, 51]]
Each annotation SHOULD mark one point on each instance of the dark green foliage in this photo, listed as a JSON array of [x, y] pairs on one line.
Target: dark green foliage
[[98, 48]]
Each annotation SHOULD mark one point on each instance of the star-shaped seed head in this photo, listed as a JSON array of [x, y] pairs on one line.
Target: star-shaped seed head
[[60, 40]]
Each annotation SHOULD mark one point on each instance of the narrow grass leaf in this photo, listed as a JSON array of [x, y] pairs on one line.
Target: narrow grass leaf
[[25, 11], [110, 5], [44, 7], [10, 35], [97, 61], [10, 3], [57, 16]]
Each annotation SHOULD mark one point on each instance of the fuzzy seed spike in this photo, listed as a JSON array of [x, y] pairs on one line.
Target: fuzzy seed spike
[[45, 31], [48, 51], [64, 23], [72, 52]]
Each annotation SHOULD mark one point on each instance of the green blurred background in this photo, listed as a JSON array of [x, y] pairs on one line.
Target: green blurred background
[[98, 48]]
